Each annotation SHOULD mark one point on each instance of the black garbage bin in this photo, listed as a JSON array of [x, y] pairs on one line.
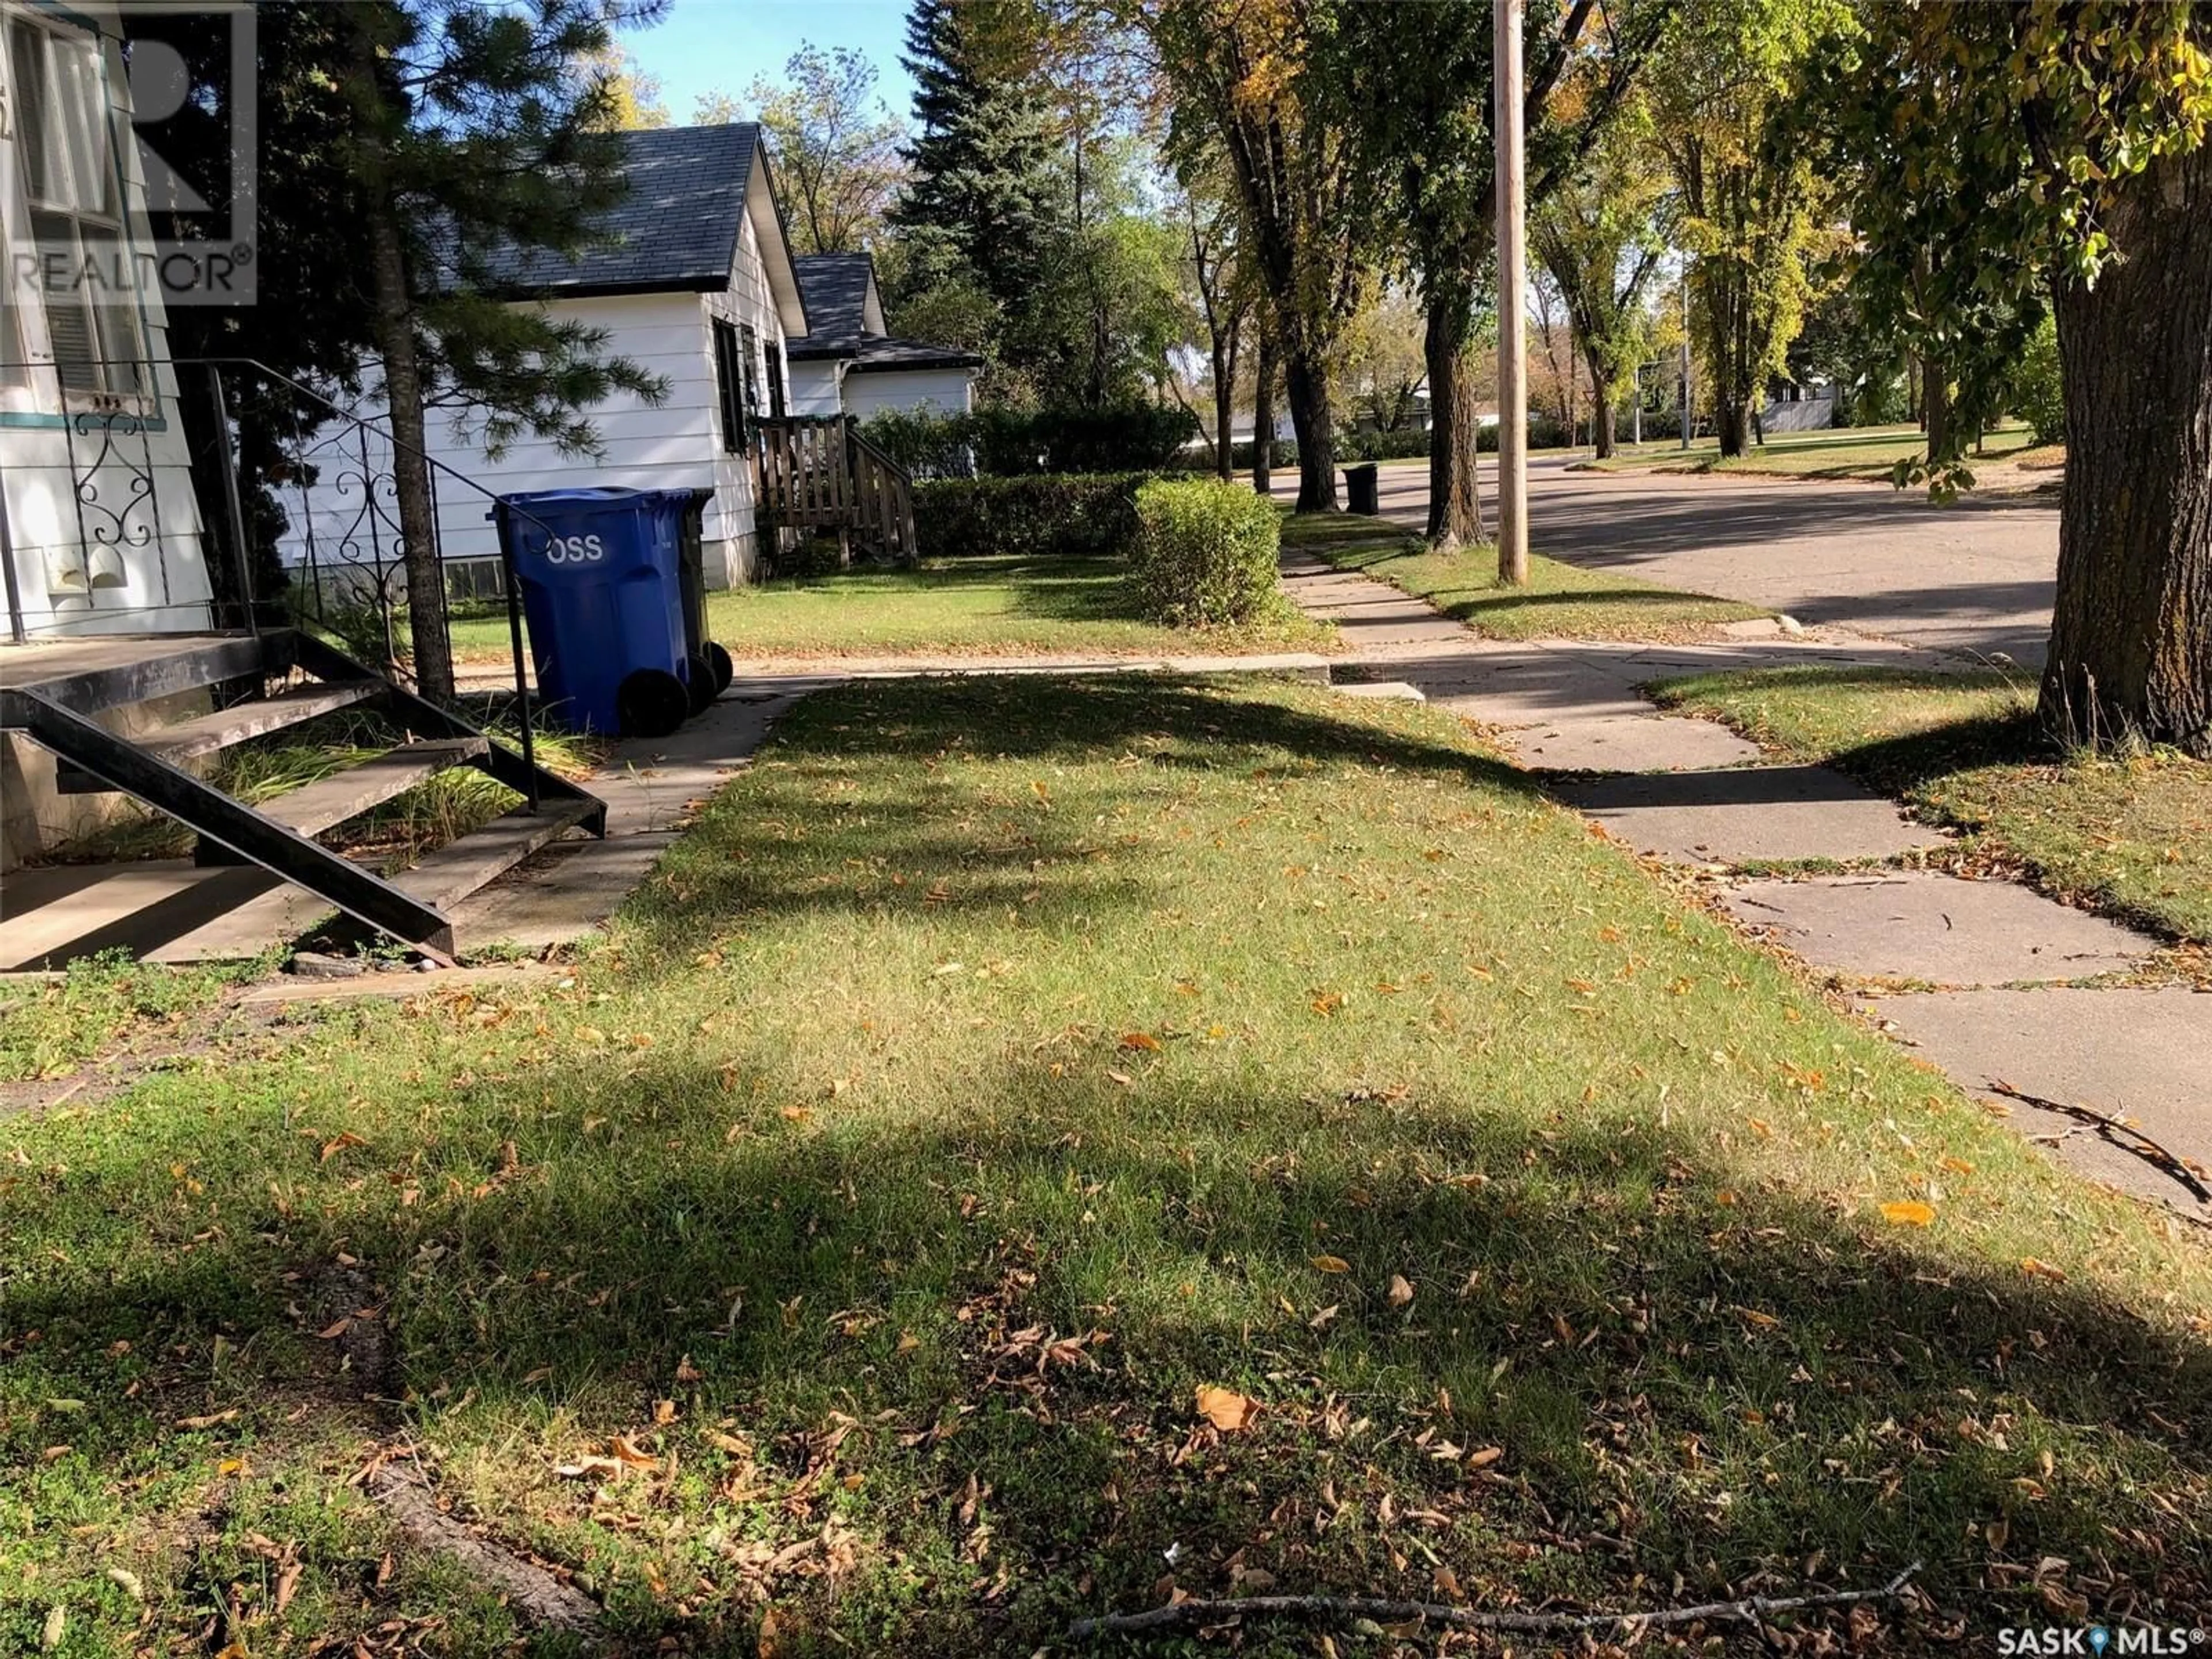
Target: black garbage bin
[[1363, 490], [711, 667]]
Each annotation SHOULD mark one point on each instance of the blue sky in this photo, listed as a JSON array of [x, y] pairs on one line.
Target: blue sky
[[720, 45]]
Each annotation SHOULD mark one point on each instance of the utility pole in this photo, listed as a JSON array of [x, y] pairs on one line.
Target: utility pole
[[1512, 302], [1688, 403]]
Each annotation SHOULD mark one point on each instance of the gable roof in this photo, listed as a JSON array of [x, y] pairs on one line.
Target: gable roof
[[845, 319], [678, 227], [835, 286]]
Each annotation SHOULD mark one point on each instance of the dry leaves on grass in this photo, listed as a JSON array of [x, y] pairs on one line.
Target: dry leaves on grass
[[1908, 1212], [1227, 1409]]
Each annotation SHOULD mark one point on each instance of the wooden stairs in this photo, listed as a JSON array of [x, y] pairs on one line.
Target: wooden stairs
[[819, 473], [262, 684]]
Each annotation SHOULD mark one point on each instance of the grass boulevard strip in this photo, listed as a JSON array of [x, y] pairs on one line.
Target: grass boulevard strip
[[1031, 1140]]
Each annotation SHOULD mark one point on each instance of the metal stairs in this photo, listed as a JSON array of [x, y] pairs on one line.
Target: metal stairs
[[263, 684]]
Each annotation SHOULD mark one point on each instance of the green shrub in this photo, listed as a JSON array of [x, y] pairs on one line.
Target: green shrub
[[2038, 393], [1082, 515], [1205, 552]]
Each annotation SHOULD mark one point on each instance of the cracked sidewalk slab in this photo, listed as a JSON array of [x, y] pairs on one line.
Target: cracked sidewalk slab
[[2138, 1054], [1942, 929], [1764, 814]]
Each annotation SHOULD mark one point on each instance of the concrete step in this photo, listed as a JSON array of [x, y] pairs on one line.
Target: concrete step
[[482, 856], [227, 727], [316, 807]]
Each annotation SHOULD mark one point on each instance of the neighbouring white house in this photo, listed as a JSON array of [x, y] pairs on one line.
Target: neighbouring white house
[[849, 363], [99, 531], [696, 283]]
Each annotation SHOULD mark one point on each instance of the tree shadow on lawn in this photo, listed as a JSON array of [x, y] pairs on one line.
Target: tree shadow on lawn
[[925, 820], [957, 1354]]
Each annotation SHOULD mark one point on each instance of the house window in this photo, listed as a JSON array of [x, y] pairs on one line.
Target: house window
[[729, 384], [73, 207], [748, 346], [776, 408]]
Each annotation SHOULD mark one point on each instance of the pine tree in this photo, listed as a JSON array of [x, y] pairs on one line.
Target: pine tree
[[979, 207], [479, 151]]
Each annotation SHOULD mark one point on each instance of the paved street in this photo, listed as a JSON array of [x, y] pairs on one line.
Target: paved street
[[1974, 578]]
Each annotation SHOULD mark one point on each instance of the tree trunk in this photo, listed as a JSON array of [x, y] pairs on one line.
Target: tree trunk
[[1263, 411], [1455, 429], [1604, 396], [1225, 402], [1305, 378], [392, 319], [1935, 409], [2132, 636], [1732, 422]]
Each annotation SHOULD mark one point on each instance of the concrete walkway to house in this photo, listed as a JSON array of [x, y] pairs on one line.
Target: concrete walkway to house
[[1980, 977]]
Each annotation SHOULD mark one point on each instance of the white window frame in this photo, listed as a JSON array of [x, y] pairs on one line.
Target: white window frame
[[93, 195]]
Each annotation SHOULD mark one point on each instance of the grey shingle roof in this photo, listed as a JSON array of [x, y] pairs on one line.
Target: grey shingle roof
[[678, 227], [879, 351], [835, 288]]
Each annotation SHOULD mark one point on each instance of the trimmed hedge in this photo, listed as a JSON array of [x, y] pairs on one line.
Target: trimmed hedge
[[1075, 515], [1204, 552], [1022, 442]]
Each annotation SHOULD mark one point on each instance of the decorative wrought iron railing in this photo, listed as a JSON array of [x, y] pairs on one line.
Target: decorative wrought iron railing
[[104, 501]]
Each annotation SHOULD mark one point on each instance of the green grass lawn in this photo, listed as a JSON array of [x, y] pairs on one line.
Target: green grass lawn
[[2130, 835], [1559, 601], [997, 1064], [964, 607], [1867, 453]]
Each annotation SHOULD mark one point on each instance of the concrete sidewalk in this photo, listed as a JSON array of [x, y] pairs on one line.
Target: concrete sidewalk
[[1983, 978]]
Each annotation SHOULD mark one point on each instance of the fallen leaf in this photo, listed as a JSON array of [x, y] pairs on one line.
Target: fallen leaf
[[1400, 1292], [209, 1421], [1484, 1458], [628, 1450], [332, 1148], [2037, 1269], [767, 1644], [1908, 1212], [1141, 1040], [1332, 1264], [127, 1581], [1225, 1408]]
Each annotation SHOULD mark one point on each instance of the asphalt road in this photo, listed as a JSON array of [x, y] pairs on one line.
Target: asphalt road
[[1976, 578]]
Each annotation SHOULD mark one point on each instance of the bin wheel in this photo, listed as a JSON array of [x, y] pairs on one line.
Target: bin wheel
[[651, 703], [719, 659], [700, 682]]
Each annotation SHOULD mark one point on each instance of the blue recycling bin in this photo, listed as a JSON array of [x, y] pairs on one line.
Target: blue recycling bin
[[600, 571]]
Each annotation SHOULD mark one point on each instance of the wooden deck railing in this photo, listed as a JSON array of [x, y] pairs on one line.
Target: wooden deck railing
[[817, 473], [884, 494]]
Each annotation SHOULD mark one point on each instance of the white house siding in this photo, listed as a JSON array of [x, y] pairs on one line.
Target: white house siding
[[814, 387], [748, 302], [910, 390], [101, 515], [677, 445]]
